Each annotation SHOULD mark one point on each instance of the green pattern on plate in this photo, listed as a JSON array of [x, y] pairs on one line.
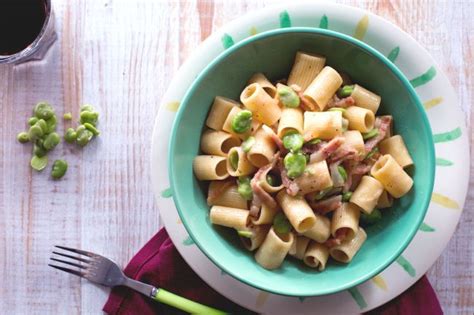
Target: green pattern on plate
[[424, 78], [426, 228], [253, 31], [285, 20], [444, 201], [432, 102], [443, 162], [188, 241], [447, 136], [406, 265], [324, 22], [393, 55], [361, 28], [227, 41], [167, 193], [358, 297]]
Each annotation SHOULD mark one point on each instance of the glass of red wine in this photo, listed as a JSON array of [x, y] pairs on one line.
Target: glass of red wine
[[26, 30]]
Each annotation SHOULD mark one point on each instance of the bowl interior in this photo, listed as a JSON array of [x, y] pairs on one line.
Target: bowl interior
[[272, 53]]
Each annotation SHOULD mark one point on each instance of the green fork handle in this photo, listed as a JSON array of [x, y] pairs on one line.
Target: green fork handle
[[183, 304]]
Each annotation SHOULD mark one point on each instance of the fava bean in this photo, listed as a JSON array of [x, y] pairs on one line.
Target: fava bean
[[322, 193], [23, 137], [295, 164], [342, 172], [51, 124], [84, 137], [372, 218], [92, 129], [59, 169], [51, 141], [35, 132], [281, 223], [242, 121], [371, 153], [346, 196], [32, 121], [70, 135], [244, 233], [89, 117], [43, 111], [293, 141], [244, 188], [38, 149], [234, 160], [369, 135], [248, 143], [288, 97], [345, 91], [39, 163]]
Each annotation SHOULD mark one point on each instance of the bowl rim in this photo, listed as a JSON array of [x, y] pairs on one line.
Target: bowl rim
[[361, 45]]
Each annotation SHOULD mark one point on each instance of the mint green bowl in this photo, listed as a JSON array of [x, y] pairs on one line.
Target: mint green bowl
[[272, 53]]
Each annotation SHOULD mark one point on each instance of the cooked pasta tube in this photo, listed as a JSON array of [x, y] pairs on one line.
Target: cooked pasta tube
[[227, 127], [395, 146], [265, 215], [392, 176], [321, 229], [316, 177], [365, 98], [258, 235], [262, 151], [219, 195], [291, 120], [219, 111], [353, 139], [385, 200], [261, 79], [229, 217], [345, 217], [305, 68], [210, 167], [264, 108], [360, 119], [218, 142], [297, 210], [348, 248], [367, 194], [274, 249], [238, 164], [299, 246], [275, 176], [316, 256], [322, 88], [322, 125]]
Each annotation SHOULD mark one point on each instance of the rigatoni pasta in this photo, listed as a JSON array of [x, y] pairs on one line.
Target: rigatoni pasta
[[299, 168], [305, 68]]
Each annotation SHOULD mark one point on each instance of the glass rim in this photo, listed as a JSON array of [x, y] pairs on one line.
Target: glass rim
[[35, 45]]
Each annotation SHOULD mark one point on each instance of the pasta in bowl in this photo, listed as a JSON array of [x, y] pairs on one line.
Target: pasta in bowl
[[299, 155]]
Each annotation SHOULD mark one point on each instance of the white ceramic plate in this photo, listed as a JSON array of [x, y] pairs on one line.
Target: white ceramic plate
[[451, 144]]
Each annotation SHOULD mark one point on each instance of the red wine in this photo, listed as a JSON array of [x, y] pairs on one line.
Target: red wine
[[21, 22]]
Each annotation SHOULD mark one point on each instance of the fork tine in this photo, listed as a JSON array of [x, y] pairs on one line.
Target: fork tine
[[74, 272], [68, 263], [79, 251], [72, 257]]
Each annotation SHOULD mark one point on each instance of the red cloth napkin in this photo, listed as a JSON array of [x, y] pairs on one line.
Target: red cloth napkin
[[160, 264]]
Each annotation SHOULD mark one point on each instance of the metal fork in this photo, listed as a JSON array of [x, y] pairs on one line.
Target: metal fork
[[101, 270]]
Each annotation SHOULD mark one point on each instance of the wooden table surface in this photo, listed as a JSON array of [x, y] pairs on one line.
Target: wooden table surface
[[120, 56]]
